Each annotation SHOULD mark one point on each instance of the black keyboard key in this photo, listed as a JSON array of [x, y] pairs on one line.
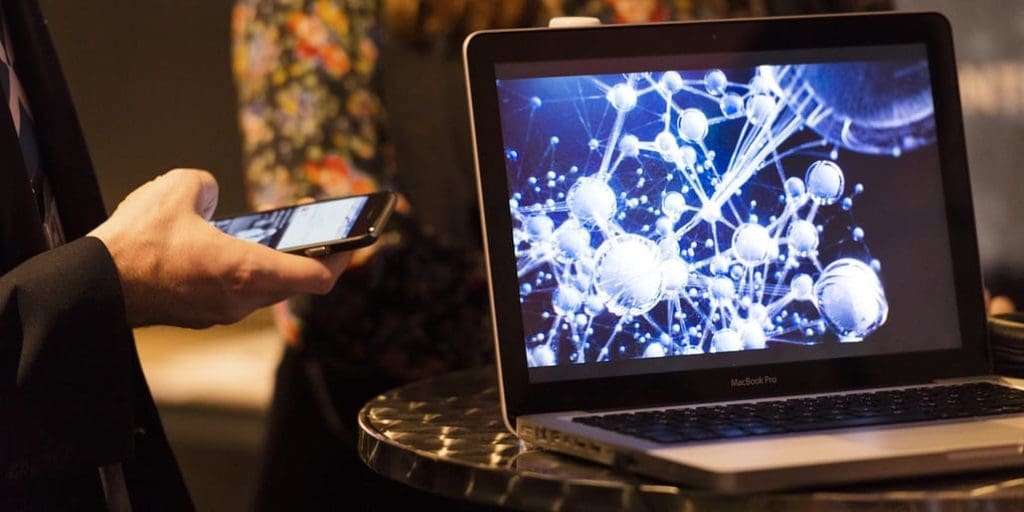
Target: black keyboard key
[[864, 421], [813, 413]]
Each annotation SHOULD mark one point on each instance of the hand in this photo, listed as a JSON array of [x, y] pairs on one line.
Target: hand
[[177, 269], [998, 304]]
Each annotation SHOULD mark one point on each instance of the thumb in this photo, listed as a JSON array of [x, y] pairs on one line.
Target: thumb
[[201, 186]]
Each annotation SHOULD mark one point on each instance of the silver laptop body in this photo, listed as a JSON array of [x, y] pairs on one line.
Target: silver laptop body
[[690, 215]]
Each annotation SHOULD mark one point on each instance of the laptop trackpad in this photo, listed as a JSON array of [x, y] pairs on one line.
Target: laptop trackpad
[[947, 437], [828, 448]]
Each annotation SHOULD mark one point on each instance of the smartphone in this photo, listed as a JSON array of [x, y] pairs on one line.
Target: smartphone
[[315, 229]]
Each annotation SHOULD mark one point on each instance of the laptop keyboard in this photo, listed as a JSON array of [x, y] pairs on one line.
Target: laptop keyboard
[[708, 423]]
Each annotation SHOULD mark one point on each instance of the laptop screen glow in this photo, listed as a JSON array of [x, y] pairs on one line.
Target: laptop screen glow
[[701, 211]]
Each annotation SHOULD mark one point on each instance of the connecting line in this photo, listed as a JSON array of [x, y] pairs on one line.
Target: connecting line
[[764, 284], [692, 180], [531, 264], [741, 146], [729, 318], [813, 213], [778, 304], [735, 213], [553, 333], [603, 354], [791, 208], [620, 119], [688, 87], [694, 307], [736, 177], [796, 149], [654, 324]]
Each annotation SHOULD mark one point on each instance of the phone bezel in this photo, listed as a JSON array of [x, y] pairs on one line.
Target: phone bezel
[[365, 230]]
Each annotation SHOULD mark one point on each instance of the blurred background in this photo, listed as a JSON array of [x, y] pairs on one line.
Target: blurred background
[[152, 84]]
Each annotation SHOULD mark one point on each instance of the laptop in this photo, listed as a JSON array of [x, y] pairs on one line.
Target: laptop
[[737, 255]]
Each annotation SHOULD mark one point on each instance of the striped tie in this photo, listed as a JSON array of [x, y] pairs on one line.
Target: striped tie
[[21, 115]]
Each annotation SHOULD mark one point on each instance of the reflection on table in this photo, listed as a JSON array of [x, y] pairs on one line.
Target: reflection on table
[[445, 435]]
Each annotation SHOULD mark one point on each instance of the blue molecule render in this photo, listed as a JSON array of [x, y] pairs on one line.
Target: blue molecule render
[[676, 213]]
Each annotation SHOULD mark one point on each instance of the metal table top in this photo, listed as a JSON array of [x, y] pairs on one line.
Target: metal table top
[[445, 435]]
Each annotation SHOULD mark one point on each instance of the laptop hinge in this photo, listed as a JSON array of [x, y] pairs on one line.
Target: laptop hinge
[[973, 378]]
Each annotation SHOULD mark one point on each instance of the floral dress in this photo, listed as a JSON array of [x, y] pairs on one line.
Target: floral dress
[[313, 126]]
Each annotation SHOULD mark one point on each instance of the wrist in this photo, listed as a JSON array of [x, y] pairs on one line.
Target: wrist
[[123, 257]]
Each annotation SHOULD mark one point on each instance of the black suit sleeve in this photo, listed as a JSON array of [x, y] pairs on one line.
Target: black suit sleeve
[[66, 386]]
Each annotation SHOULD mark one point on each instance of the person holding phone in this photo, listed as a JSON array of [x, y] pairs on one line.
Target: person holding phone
[[78, 427]]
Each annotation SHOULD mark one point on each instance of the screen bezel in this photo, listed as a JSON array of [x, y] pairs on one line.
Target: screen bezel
[[365, 230], [484, 50]]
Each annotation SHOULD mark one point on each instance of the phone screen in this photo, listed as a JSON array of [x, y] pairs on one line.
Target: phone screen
[[289, 228]]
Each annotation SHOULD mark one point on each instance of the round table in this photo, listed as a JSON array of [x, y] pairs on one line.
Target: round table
[[445, 435]]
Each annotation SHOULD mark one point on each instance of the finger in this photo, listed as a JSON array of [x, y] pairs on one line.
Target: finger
[[288, 274], [1001, 304], [337, 262], [198, 188], [209, 191], [362, 255]]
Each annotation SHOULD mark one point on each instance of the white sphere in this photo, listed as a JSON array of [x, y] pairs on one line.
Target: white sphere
[[591, 200], [801, 287], [760, 109], [671, 81], [802, 236], [573, 240], [719, 264], [654, 349], [794, 187], [627, 274], [622, 97], [758, 313], [693, 125], [540, 227], [629, 145], [582, 320], [673, 205], [722, 288], [751, 244], [825, 182], [593, 305], [668, 247], [760, 85], [851, 298], [715, 82], [542, 355], [667, 146], [710, 212], [566, 300], [687, 156], [664, 226], [753, 336], [675, 274], [726, 340], [731, 105]]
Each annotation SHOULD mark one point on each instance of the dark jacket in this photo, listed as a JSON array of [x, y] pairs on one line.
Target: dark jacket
[[72, 393]]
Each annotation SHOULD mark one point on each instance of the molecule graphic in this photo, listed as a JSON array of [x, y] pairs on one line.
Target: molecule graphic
[[637, 236]]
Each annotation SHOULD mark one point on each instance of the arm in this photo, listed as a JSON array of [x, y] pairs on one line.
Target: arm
[[65, 356], [177, 269], [67, 360]]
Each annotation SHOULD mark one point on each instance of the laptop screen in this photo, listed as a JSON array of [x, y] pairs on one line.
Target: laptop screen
[[703, 211]]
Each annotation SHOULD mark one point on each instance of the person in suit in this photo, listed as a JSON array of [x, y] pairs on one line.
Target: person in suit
[[78, 427]]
